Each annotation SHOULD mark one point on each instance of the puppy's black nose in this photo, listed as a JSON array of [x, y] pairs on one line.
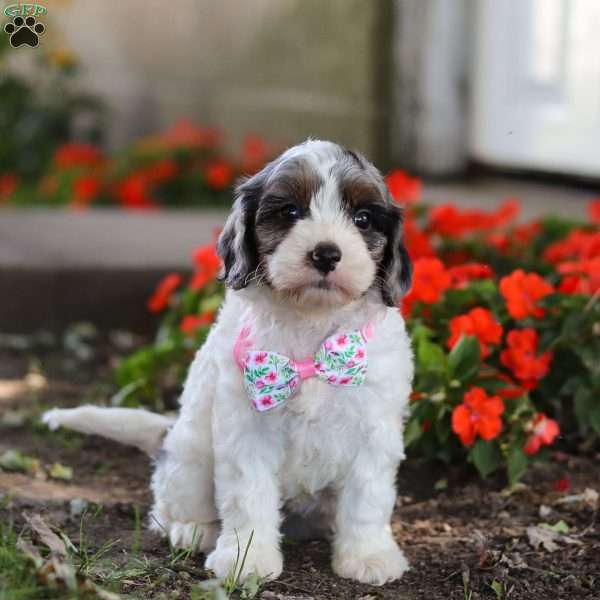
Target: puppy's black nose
[[325, 257]]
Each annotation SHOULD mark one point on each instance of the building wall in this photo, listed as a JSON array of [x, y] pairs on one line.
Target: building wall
[[285, 69]]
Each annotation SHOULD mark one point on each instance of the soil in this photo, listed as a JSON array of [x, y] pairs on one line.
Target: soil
[[465, 539]]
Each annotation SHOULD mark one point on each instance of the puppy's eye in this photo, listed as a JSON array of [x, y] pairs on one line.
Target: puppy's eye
[[362, 218], [291, 211]]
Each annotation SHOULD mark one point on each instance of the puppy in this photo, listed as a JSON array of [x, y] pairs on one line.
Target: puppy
[[296, 401]]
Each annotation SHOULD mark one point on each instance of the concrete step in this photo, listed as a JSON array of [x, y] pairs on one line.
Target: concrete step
[[58, 266]]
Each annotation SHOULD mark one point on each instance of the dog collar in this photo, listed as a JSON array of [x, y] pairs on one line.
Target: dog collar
[[270, 378]]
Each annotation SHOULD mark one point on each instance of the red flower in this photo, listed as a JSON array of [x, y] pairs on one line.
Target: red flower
[[479, 415], [186, 133], [85, 190], [462, 275], [417, 243], [260, 358], [578, 244], [272, 377], [430, 280], [219, 174], [341, 341], [134, 192], [163, 292], [77, 155], [8, 184], [594, 211], [207, 266], [478, 322], [447, 220], [520, 356], [403, 188], [544, 432], [581, 277], [161, 171], [190, 323], [266, 401], [561, 485], [522, 291]]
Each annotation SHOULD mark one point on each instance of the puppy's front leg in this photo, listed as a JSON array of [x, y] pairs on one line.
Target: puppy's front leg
[[248, 500], [364, 548]]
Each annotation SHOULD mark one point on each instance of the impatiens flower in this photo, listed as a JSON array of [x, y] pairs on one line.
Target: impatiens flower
[[594, 211], [190, 323], [478, 415], [219, 174], [522, 291], [8, 184], [77, 155], [417, 243], [579, 244], [430, 280], [161, 171], [207, 266], [478, 322], [581, 277], [134, 192], [543, 432], [403, 188], [561, 485], [185, 133], [85, 190], [520, 356], [164, 290], [449, 221], [462, 275]]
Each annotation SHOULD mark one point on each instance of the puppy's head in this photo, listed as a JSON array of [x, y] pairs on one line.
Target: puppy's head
[[319, 227]]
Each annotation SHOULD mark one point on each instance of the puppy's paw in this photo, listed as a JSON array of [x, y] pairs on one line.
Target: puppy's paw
[[264, 560], [374, 567], [53, 418], [202, 537]]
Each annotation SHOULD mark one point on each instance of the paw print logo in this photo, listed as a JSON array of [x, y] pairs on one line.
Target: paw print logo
[[24, 32]]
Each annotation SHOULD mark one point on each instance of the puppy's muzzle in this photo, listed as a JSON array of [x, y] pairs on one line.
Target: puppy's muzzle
[[325, 257]]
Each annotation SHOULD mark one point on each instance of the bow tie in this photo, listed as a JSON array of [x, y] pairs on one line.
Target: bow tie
[[271, 378]]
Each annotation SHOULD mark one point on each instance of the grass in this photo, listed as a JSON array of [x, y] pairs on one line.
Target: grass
[[29, 572]]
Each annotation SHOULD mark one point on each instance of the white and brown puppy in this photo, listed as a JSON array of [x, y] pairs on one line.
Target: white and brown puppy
[[313, 247]]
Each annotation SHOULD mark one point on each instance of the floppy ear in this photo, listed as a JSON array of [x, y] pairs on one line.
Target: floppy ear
[[236, 245], [395, 271]]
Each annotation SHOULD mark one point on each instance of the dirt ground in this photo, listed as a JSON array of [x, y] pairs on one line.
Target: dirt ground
[[465, 539]]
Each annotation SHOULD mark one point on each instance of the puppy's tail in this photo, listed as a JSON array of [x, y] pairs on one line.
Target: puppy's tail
[[134, 427]]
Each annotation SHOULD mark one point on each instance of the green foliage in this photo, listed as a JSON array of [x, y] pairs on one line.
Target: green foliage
[[477, 397]]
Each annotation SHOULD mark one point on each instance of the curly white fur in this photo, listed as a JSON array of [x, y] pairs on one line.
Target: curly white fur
[[227, 472]]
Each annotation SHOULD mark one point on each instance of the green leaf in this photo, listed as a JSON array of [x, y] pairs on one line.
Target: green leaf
[[413, 431], [486, 456], [430, 356], [517, 464], [463, 361]]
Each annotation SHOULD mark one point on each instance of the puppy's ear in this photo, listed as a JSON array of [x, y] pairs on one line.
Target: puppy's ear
[[236, 245], [395, 271]]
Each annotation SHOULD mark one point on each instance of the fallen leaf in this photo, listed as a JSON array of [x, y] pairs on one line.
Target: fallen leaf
[[59, 471], [541, 536], [45, 535], [13, 460], [589, 498], [558, 527]]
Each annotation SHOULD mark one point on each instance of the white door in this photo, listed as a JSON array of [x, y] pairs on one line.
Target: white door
[[536, 85]]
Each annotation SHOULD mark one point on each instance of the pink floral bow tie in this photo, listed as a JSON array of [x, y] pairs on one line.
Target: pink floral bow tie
[[271, 378]]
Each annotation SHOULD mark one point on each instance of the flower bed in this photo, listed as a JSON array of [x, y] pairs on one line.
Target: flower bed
[[504, 319], [186, 165]]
